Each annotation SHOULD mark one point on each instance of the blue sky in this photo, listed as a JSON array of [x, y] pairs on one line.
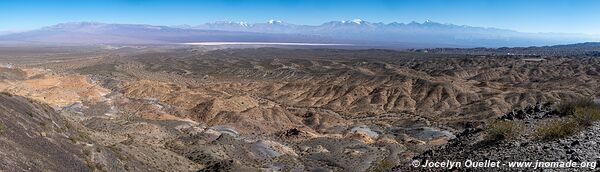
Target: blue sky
[[566, 16]]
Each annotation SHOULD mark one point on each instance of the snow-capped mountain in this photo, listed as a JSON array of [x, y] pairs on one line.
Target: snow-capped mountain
[[275, 21], [357, 31], [413, 32], [271, 26], [355, 25]]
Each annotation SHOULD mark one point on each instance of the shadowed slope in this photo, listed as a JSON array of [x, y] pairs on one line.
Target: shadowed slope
[[32, 138]]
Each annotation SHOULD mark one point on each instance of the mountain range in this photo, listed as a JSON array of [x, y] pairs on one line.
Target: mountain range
[[427, 34]]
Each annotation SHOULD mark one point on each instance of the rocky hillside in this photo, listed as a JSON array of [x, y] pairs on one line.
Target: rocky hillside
[[33, 137], [534, 134]]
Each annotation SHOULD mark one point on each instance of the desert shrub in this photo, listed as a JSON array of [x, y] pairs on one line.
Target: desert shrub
[[1, 128], [567, 108], [79, 137], [502, 129], [576, 116], [586, 115], [383, 165], [87, 152], [557, 128]]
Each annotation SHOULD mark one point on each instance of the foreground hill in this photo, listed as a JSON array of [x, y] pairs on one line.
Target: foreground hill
[[33, 137]]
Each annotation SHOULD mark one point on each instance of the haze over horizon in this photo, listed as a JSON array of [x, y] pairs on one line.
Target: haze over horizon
[[554, 16]]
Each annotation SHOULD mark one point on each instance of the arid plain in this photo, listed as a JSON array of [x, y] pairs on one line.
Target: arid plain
[[190, 108]]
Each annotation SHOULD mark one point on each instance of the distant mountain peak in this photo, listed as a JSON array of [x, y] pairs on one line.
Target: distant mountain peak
[[74, 26], [358, 21], [354, 21], [228, 22], [82, 23], [272, 21]]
